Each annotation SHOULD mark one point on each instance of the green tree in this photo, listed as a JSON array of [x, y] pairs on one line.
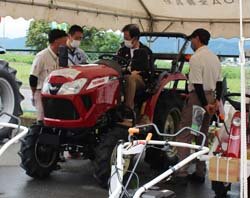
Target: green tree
[[94, 39], [87, 42], [100, 41], [37, 37]]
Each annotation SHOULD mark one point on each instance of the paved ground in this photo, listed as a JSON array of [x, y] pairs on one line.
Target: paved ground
[[26, 103], [73, 180]]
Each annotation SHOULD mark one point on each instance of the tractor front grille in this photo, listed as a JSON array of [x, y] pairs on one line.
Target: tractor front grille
[[87, 101], [59, 109]]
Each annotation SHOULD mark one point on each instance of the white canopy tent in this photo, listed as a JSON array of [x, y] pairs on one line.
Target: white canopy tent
[[223, 18]]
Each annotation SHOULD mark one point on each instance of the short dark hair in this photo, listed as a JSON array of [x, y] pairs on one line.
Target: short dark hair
[[133, 30], [75, 28], [56, 34], [203, 35]]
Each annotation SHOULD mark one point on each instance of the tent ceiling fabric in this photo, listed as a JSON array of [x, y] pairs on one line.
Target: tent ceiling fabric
[[221, 17]]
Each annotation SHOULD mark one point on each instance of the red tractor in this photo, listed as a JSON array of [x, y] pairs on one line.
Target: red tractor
[[84, 108]]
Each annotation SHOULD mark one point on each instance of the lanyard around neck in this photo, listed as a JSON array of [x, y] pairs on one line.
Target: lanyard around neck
[[53, 57]]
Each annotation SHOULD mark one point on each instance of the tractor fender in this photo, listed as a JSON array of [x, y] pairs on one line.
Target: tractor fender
[[151, 104]]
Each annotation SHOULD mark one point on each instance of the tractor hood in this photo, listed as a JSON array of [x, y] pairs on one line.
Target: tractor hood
[[72, 80], [90, 72]]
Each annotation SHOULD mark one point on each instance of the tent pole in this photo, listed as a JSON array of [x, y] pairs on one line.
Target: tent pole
[[243, 159], [151, 19]]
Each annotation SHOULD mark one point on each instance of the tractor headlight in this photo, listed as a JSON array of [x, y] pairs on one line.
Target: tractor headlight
[[72, 87]]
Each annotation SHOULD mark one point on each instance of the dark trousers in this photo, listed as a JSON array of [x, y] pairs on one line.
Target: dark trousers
[[186, 121]]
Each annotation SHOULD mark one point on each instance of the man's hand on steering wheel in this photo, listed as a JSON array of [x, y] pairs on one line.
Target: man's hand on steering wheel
[[122, 61]]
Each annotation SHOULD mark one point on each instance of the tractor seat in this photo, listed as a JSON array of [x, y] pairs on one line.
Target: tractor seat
[[152, 87], [141, 96]]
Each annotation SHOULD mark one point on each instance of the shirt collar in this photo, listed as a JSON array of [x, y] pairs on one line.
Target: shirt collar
[[52, 53], [201, 48], [72, 51]]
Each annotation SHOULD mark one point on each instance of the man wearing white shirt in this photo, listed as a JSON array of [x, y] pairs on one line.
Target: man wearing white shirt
[[205, 88], [44, 63]]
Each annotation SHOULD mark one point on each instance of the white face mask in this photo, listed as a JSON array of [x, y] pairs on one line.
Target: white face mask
[[128, 43], [75, 43]]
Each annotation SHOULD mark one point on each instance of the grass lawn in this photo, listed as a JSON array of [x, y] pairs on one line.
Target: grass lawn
[[23, 71], [18, 57], [29, 114], [232, 74], [28, 118], [233, 85], [22, 63]]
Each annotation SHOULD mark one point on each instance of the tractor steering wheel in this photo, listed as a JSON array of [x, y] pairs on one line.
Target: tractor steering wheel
[[122, 61]]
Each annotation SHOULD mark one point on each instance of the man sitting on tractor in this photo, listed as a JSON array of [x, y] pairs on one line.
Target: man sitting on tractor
[[139, 57]]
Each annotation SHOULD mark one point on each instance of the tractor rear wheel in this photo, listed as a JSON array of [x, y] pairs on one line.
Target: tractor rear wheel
[[167, 118], [10, 97]]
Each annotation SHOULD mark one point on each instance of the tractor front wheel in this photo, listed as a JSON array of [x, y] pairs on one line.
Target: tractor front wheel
[[37, 159], [104, 153]]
